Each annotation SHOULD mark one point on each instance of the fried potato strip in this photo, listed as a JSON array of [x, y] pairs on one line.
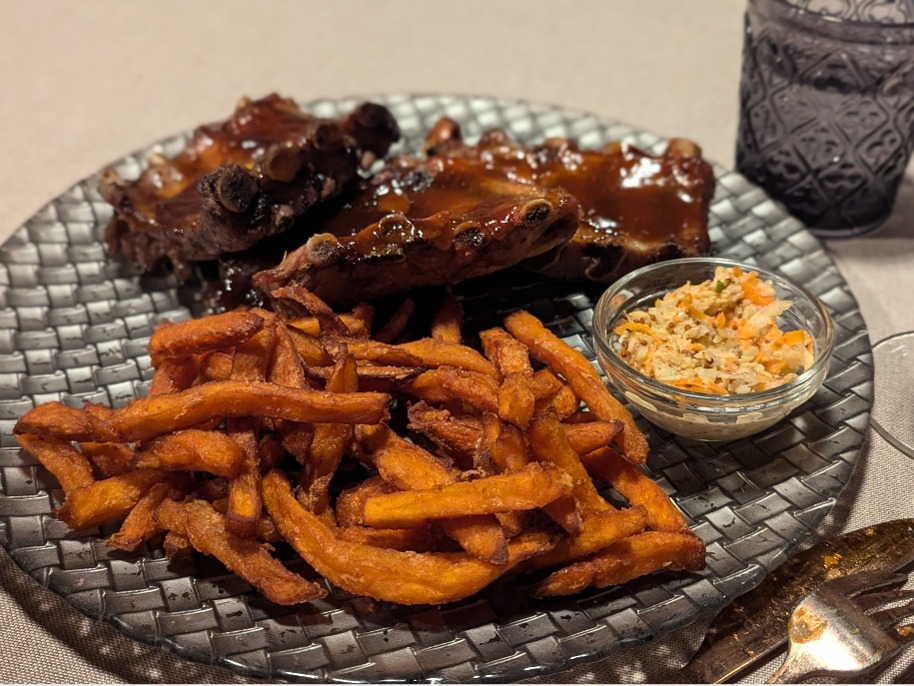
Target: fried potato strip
[[328, 445], [152, 416], [140, 525], [516, 403], [637, 488], [250, 364], [597, 532], [477, 391], [532, 487], [69, 466], [192, 450], [410, 467], [589, 436], [625, 560], [507, 353], [437, 353], [458, 436], [382, 353], [286, 366], [350, 504], [110, 459], [461, 434], [408, 578], [355, 325], [206, 530], [174, 374], [583, 378], [548, 441], [448, 320], [176, 545], [503, 445], [329, 321], [516, 399], [244, 504], [480, 535], [403, 464], [108, 499], [194, 336], [217, 366]]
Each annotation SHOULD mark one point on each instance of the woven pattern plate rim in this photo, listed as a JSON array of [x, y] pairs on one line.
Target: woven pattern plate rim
[[74, 325]]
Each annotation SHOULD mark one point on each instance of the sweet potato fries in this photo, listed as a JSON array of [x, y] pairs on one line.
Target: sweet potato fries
[[263, 427]]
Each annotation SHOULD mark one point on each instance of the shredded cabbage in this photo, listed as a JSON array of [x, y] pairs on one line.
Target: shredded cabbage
[[720, 336]]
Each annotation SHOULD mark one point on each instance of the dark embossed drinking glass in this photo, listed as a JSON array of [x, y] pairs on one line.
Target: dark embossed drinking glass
[[827, 107]]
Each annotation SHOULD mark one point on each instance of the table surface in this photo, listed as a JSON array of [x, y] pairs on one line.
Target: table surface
[[85, 84]]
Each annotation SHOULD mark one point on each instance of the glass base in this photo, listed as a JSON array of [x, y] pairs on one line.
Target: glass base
[[849, 232], [893, 417]]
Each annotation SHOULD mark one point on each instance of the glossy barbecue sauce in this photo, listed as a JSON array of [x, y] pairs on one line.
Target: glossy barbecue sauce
[[241, 180], [241, 139], [436, 202], [621, 190]]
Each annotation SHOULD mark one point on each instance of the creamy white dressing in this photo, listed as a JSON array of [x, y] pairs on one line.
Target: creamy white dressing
[[720, 336]]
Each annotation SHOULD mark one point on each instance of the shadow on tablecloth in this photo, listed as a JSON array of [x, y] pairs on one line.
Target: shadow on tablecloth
[[100, 644]]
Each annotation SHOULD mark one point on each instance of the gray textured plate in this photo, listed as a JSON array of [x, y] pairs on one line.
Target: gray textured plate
[[74, 327]]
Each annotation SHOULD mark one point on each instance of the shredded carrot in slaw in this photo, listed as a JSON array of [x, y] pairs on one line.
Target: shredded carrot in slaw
[[720, 336]]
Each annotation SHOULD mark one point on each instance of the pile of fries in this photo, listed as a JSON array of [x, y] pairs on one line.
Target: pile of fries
[[255, 420]]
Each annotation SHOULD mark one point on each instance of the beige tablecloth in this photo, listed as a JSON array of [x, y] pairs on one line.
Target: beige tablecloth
[[84, 83]]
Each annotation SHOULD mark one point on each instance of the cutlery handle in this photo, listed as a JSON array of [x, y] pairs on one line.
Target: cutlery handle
[[730, 655], [794, 667]]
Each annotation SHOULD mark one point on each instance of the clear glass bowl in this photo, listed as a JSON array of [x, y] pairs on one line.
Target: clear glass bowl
[[706, 416]]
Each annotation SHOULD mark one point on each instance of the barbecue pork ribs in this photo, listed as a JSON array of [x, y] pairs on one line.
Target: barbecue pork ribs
[[424, 223], [240, 180], [236, 190], [635, 208]]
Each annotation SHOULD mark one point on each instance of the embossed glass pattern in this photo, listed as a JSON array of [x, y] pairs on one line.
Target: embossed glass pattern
[[827, 107], [74, 327]]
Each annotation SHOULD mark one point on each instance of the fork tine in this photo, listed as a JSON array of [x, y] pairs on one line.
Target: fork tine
[[904, 633], [892, 615], [870, 601], [855, 584], [832, 631]]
